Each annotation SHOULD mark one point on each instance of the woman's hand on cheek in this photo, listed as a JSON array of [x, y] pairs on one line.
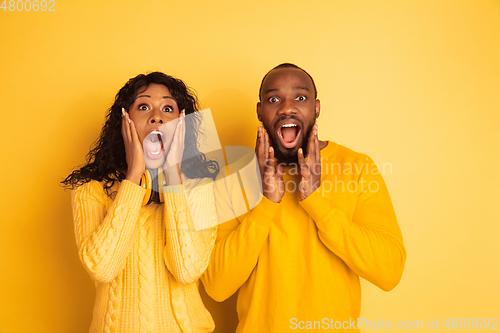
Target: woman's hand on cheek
[[172, 166], [133, 150]]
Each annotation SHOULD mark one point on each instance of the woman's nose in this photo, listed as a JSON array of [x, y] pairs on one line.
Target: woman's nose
[[156, 117]]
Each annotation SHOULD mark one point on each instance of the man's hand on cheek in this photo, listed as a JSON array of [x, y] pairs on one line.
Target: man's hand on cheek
[[310, 171], [273, 186]]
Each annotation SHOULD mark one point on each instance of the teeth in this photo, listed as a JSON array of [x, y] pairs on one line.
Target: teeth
[[154, 152], [156, 132], [286, 125]]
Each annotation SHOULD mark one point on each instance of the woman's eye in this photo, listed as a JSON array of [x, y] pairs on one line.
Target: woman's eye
[[273, 99], [301, 98], [168, 109], [143, 107]]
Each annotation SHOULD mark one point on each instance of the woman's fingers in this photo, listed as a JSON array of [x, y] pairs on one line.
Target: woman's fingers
[[125, 126], [177, 147], [183, 126]]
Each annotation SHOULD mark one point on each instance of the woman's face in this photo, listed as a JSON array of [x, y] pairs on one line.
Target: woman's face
[[153, 107]]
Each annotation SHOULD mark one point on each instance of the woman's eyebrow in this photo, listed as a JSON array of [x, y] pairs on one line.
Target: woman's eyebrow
[[150, 97]]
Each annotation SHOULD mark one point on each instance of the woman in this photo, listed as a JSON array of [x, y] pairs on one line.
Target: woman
[[135, 204]]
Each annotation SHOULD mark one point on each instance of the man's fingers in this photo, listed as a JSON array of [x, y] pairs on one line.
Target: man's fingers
[[317, 153], [261, 145], [259, 150], [266, 145], [257, 140], [311, 152], [316, 146], [304, 166], [301, 157], [279, 171], [270, 160]]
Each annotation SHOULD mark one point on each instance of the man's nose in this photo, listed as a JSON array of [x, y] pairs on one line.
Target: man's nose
[[287, 107]]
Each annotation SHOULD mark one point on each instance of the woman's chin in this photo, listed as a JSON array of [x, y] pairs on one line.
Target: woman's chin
[[154, 164]]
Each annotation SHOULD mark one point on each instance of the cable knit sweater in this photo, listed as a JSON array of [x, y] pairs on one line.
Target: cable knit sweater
[[146, 261]]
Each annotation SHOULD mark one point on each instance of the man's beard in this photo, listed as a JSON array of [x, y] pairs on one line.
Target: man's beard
[[289, 156]]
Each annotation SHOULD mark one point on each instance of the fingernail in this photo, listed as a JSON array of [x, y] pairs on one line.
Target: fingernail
[[123, 112], [129, 120]]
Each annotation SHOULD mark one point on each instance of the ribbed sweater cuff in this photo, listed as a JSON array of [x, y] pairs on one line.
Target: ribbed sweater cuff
[[130, 193], [174, 196]]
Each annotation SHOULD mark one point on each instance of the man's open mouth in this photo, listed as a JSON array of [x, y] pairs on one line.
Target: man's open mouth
[[153, 144], [288, 132]]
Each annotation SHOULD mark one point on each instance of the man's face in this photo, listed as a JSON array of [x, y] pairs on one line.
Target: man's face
[[288, 111]]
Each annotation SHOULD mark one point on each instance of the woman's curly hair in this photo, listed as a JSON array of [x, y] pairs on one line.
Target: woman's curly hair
[[106, 160]]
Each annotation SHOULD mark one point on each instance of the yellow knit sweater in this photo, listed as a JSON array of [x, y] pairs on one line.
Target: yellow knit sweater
[[297, 263], [146, 261]]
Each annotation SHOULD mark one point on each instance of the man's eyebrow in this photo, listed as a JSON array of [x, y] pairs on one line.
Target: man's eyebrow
[[301, 88], [270, 90], [276, 89]]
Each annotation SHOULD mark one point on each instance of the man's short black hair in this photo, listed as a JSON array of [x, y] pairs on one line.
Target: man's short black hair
[[287, 65]]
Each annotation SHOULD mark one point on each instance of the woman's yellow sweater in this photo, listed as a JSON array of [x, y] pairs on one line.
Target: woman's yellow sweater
[[146, 260]]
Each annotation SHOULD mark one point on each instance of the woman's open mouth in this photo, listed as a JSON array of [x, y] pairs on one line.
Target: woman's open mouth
[[153, 144], [288, 132]]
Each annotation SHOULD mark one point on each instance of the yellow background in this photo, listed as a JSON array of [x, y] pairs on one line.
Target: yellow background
[[412, 83]]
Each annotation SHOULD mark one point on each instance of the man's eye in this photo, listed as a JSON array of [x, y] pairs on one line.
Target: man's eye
[[301, 98], [273, 99], [143, 107], [168, 109]]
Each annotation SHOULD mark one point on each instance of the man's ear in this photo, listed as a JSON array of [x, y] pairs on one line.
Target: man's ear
[[318, 107], [258, 112]]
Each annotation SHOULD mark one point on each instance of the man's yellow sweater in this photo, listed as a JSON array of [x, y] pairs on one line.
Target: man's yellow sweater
[[145, 261], [297, 263]]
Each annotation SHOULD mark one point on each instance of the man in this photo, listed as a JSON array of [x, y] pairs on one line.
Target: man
[[323, 222]]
